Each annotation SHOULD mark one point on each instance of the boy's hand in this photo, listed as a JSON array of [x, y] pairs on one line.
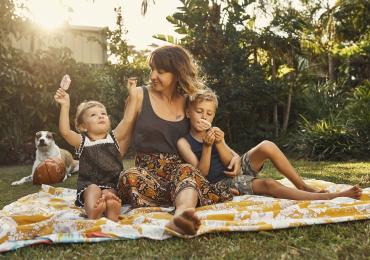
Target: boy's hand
[[62, 97], [219, 135], [234, 167], [209, 138], [131, 85]]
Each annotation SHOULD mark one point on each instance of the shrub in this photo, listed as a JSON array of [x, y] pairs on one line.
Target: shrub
[[27, 87], [329, 139], [358, 108]]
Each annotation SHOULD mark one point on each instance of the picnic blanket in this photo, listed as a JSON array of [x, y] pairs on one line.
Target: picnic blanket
[[49, 216]]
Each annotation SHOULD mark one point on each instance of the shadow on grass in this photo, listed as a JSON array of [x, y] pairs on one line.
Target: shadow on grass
[[309, 242]]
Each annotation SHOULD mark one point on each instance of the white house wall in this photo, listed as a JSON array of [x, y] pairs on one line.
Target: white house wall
[[88, 44]]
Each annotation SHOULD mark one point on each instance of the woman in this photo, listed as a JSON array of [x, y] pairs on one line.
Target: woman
[[160, 178]]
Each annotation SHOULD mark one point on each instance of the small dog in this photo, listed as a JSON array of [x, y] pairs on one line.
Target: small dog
[[47, 148]]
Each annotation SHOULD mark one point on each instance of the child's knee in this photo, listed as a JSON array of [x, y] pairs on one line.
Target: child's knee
[[269, 183], [267, 147], [92, 187], [263, 185]]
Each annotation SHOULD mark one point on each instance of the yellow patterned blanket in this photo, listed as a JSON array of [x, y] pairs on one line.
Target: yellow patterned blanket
[[50, 216]]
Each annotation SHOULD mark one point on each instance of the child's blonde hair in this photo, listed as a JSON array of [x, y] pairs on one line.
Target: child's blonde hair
[[177, 60], [205, 94], [82, 108]]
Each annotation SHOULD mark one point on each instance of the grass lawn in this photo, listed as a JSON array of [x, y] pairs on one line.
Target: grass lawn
[[333, 241]]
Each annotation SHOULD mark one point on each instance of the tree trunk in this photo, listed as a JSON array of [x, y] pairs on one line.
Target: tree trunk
[[255, 55], [32, 47], [228, 127], [275, 120], [290, 94], [331, 68], [275, 111], [287, 111]]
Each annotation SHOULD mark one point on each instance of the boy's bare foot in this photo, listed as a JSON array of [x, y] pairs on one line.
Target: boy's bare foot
[[355, 192], [113, 206], [98, 209], [186, 223]]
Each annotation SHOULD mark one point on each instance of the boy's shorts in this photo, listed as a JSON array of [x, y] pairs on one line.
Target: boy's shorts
[[243, 181]]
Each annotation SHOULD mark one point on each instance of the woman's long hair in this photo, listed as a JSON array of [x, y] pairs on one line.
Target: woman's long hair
[[177, 60]]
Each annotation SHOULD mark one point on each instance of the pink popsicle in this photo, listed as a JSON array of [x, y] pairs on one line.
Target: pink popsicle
[[66, 80]]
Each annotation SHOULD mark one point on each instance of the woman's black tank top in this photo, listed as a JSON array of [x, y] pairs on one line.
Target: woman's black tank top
[[153, 134]]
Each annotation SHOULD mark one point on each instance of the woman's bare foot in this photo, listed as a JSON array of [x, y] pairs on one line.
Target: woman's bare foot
[[355, 192], [98, 209], [113, 206], [186, 223]]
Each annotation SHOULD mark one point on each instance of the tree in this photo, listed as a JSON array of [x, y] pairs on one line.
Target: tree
[[217, 36], [29, 81], [281, 39]]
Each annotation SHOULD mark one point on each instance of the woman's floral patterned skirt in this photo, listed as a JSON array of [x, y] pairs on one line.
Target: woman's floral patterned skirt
[[158, 178]]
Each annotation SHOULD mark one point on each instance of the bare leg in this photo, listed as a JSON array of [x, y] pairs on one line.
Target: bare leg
[[185, 221], [268, 150], [275, 189], [113, 204], [94, 202]]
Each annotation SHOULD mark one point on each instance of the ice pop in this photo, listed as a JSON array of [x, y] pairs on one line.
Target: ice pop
[[66, 80], [205, 124]]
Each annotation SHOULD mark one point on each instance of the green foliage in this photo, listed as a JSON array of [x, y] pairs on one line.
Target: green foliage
[[10, 24], [28, 82], [352, 18], [334, 138], [307, 47], [26, 96], [166, 38], [318, 100], [224, 49], [358, 108], [344, 134], [317, 57]]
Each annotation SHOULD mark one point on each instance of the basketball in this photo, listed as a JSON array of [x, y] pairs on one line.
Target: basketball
[[50, 171]]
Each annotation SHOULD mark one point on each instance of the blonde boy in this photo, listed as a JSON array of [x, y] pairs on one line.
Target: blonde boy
[[205, 148]]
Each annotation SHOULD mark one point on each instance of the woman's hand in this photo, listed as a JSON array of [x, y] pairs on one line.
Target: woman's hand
[[131, 85], [62, 97], [234, 167]]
